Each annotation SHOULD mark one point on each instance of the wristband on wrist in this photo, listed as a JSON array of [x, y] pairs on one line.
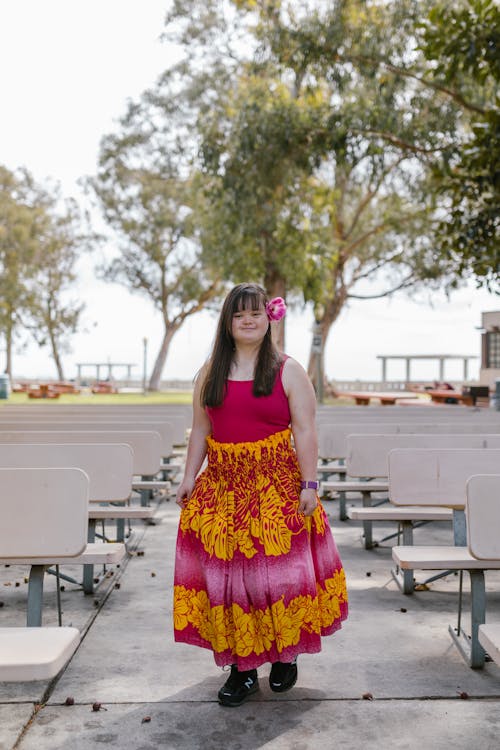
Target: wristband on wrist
[[309, 485]]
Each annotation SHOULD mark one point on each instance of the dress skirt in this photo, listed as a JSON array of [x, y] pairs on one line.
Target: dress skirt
[[255, 580]]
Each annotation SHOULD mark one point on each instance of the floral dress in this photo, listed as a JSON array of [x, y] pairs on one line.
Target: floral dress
[[255, 580]]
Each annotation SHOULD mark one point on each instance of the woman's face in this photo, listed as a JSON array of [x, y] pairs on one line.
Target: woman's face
[[249, 326]]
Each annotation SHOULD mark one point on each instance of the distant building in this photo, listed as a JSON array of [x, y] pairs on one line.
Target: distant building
[[490, 348]]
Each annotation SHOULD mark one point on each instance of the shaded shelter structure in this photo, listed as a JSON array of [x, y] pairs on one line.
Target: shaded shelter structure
[[440, 358]]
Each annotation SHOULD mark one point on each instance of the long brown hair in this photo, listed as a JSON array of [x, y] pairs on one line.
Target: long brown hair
[[241, 297]]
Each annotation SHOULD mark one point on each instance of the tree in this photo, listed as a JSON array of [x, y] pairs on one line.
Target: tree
[[254, 164], [20, 221], [38, 250], [319, 140], [318, 166], [149, 199], [461, 41], [53, 316]]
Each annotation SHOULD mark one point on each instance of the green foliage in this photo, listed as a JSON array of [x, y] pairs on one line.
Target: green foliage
[[463, 39], [254, 161], [149, 198], [38, 249], [21, 220], [463, 43], [54, 316], [313, 159]]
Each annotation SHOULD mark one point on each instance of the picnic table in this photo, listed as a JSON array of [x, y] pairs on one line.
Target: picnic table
[[445, 396], [43, 390], [389, 398], [48, 390], [104, 387]]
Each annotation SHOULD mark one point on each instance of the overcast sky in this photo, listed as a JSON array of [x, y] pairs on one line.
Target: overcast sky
[[67, 70]]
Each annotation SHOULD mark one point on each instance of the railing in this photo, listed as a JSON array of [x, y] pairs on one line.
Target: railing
[[341, 385], [388, 385]]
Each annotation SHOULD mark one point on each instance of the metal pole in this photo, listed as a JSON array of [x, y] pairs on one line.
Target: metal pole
[[144, 365], [317, 348], [384, 369], [320, 375]]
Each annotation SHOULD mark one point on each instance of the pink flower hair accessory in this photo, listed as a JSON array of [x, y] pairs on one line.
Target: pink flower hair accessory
[[276, 308]]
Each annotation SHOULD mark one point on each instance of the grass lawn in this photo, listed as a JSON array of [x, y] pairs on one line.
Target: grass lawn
[[164, 397]]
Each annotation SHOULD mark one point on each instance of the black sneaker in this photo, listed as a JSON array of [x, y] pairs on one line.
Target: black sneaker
[[238, 686], [283, 676]]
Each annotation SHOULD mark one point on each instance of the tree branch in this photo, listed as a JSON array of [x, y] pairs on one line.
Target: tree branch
[[375, 268], [350, 247], [399, 142], [455, 95], [409, 281], [371, 194]]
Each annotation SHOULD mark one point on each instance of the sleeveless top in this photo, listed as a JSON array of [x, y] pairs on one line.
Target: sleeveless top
[[244, 418]]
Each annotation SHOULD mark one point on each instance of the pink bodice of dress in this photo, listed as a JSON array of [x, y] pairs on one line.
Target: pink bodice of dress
[[244, 417]]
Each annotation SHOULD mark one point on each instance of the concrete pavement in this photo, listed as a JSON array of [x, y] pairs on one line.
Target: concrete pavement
[[391, 678]]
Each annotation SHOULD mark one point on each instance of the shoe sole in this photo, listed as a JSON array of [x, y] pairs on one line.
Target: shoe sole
[[231, 703]]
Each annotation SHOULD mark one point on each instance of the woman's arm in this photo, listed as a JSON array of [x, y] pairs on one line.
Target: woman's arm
[[197, 445], [302, 402]]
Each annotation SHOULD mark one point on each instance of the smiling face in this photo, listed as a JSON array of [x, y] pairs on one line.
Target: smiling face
[[249, 325], [243, 318]]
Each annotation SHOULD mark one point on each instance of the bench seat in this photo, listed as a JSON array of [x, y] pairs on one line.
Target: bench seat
[[340, 488], [459, 559], [440, 558], [121, 511], [38, 653], [372, 485], [173, 466], [409, 513], [407, 517], [331, 467], [489, 638], [94, 554], [151, 484]]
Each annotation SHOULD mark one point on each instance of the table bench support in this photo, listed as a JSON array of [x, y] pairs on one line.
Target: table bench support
[[470, 648], [342, 497], [35, 596], [367, 525], [405, 578], [459, 539]]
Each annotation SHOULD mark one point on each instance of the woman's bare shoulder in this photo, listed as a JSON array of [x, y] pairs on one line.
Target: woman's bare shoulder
[[292, 366], [293, 374]]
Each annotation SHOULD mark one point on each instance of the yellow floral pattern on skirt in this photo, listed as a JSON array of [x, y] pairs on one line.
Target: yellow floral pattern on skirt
[[244, 633], [227, 516]]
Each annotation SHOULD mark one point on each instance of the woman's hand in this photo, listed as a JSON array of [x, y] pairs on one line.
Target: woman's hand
[[184, 491], [308, 502]]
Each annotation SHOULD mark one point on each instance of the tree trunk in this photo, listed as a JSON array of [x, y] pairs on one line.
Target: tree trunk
[[8, 352], [276, 287], [316, 363], [55, 355], [154, 381]]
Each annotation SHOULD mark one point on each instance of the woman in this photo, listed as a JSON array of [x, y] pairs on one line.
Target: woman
[[258, 577]]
